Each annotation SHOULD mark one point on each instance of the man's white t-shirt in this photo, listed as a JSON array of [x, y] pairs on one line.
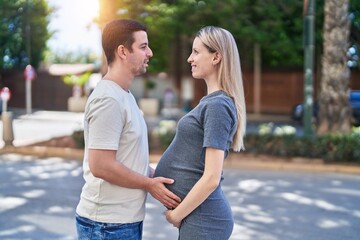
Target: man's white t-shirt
[[113, 121]]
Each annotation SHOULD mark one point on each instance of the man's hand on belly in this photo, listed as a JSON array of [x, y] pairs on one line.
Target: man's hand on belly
[[157, 189]]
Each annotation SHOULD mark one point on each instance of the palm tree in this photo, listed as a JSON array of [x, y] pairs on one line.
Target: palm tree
[[335, 113]]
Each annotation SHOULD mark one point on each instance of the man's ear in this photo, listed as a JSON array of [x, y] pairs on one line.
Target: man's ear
[[121, 51], [217, 58]]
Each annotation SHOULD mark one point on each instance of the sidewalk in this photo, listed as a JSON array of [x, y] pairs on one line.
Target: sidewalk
[[44, 125]]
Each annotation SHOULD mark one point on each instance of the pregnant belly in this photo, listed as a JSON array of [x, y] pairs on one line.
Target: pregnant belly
[[184, 180]]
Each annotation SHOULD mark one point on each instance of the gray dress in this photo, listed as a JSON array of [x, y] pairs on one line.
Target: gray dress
[[210, 124]]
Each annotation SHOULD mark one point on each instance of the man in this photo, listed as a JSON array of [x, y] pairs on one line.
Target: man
[[116, 162]]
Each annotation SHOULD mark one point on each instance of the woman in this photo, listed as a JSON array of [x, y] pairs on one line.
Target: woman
[[204, 136]]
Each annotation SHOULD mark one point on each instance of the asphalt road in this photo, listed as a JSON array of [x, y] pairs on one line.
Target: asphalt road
[[38, 199]]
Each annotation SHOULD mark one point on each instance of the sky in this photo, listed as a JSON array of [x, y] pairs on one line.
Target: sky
[[72, 23]]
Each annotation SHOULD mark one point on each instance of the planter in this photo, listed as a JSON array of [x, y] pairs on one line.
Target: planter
[[76, 104], [149, 106]]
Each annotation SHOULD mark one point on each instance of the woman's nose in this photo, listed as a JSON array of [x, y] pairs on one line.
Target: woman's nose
[[189, 60]]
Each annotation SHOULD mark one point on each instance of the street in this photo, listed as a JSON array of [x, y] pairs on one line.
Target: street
[[38, 199]]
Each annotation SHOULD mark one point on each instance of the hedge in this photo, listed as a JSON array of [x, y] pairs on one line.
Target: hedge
[[331, 148]]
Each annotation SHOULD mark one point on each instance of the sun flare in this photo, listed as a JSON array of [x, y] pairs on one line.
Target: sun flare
[[73, 25], [88, 9]]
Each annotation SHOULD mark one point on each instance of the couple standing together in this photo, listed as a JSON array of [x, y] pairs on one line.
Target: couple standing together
[[187, 179]]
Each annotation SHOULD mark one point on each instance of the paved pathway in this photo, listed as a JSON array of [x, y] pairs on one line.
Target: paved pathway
[[43, 125], [38, 198]]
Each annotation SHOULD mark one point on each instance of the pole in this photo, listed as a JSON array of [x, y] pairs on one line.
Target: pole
[[257, 79], [309, 19], [8, 132], [28, 53], [28, 96], [4, 106], [6, 118], [28, 43]]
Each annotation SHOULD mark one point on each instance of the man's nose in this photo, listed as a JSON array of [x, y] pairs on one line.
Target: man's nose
[[150, 53]]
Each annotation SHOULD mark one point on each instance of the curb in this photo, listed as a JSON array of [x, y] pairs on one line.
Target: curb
[[253, 161], [44, 152], [311, 167]]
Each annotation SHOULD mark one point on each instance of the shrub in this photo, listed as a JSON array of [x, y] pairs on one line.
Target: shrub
[[165, 132], [78, 137], [331, 147]]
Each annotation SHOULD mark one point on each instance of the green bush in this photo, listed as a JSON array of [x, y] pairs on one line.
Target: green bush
[[331, 148], [78, 137], [165, 132], [278, 142]]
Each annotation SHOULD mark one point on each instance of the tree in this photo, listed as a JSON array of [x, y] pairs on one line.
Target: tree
[[275, 25], [355, 32], [335, 112], [23, 33], [173, 23]]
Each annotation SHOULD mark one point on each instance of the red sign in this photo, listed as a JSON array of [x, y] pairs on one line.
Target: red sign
[[29, 73], [5, 94]]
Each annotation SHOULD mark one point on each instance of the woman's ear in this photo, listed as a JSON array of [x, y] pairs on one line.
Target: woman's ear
[[217, 58]]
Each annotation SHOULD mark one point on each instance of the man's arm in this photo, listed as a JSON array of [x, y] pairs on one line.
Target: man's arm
[[103, 164]]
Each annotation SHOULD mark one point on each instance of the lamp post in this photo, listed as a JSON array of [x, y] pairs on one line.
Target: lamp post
[[29, 70], [29, 74], [309, 20]]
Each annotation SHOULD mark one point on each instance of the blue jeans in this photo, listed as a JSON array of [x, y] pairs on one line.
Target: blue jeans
[[91, 230]]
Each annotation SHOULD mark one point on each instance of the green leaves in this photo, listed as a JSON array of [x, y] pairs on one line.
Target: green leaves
[[331, 147], [276, 26], [79, 80], [16, 18]]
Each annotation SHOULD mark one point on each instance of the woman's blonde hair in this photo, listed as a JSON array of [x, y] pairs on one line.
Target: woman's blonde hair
[[220, 40]]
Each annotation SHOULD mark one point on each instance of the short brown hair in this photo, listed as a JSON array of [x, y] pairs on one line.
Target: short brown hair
[[119, 32]]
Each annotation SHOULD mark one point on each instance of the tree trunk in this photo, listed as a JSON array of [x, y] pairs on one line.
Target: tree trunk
[[335, 113]]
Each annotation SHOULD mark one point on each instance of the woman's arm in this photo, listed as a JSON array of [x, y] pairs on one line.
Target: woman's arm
[[214, 159]]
